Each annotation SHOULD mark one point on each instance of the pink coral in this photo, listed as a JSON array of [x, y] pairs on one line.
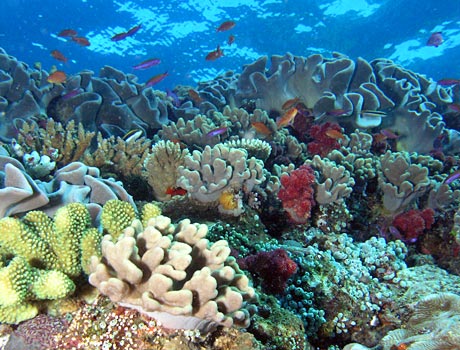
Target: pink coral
[[273, 267], [296, 193], [322, 143], [413, 223]]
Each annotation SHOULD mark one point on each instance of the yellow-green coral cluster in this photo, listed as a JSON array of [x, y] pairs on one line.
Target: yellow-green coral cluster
[[40, 257]]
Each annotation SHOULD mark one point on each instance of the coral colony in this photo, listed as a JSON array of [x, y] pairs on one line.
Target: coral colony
[[302, 206]]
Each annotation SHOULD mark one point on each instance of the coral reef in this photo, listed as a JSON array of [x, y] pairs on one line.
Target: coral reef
[[413, 223], [173, 274]]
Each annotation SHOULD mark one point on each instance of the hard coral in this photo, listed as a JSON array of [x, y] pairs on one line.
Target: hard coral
[[273, 267], [296, 193], [413, 223], [322, 144]]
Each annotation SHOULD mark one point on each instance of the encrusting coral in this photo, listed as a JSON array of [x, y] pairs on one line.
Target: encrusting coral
[[41, 257], [173, 274]]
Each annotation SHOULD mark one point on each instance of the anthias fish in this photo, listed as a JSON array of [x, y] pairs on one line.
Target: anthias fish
[[124, 35], [80, 40], [155, 79], [227, 25], [435, 39], [67, 33], [231, 39], [287, 118], [214, 55], [216, 132], [147, 64], [59, 56], [57, 77]]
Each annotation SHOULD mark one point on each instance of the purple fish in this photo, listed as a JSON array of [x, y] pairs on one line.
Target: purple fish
[[448, 82], [216, 132], [452, 177], [71, 93], [147, 63], [134, 30], [119, 36], [174, 97], [435, 39]]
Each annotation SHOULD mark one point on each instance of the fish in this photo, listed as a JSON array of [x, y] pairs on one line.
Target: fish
[[134, 30], [388, 134], [448, 82], [155, 79], [334, 134], [80, 40], [339, 112], [435, 39], [452, 177], [195, 96], [231, 39], [132, 135], [227, 25], [173, 96], [175, 191], [57, 77], [372, 114], [290, 103], [147, 63], [124, 35], [71, 93], [67, 33], [214, 55], [59, 56], [217, 132], [453, 107], [287, 118], [261, 128]]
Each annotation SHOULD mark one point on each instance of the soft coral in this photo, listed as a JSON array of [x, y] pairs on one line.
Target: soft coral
[[413, 223]]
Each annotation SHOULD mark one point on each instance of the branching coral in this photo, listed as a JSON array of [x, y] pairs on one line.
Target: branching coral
[[173, 271]]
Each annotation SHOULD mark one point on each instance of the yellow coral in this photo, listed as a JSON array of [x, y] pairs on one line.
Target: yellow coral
[[116, 216], [228, 200], [149, 211]]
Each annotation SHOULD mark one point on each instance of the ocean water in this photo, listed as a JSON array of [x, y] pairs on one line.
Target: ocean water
[[182, 33]]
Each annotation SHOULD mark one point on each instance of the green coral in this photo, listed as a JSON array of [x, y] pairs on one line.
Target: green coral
[[40, 258], [116, 216]]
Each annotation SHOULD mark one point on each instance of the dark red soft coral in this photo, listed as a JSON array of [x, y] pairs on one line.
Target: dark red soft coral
[[274, 268], [413, 223], [322, 144], [297, 193]]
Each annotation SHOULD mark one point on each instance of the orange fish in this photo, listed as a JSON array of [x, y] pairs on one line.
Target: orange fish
[[287, 118], [261, 128], [231, 39], [334, 134], [57, 77], [290, 103], [81, 40], [214, 55], [226, 26], [67, 32], [195, 96], [59, 56], [175, 191]]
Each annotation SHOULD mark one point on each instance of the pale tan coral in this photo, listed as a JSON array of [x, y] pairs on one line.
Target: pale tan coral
[[255, 147], [162, 167], [441, 197], [175, 270], [334, 182], [207, 174], [400, 181]]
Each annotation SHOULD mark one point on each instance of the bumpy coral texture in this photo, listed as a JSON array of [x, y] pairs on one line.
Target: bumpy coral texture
[[322, 144], [413, 223], [274, 267], [296, 193]]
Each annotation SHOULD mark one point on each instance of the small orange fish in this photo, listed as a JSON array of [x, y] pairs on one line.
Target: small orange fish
[[57, 77], [67, 32], [290, 103], [155, 79], [175, 191], [231, 39], [214, 55], [195, 96], [59, 56], [226, 26], [287, 118], [334, 134], [261, 128], [81, 40]]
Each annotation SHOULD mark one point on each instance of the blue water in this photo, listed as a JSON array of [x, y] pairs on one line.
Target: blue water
[[182, 33]]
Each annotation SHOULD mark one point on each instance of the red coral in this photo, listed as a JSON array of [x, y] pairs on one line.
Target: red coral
[[413, 223], [322, 144], [273, 267], [296, 193]]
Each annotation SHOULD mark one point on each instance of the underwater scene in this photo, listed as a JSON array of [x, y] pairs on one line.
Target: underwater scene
[[230, 174]]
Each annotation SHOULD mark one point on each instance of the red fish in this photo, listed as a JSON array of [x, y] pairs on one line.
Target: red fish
[[81, 40], [195, 96], [334, 134], [261, 128], [57, 77], [231, 39], [435, 39], [226, 26], [59, 56], [216, 132], [214, 55], [147, 63], [290, 103], [448, 82], [175, 191], [67, 32], [287, 118], [155, 79]]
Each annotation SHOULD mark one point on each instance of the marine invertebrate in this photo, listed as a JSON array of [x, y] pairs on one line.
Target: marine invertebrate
[[47, 255], [296, 193], [413, 223], [273, 267], [170, 271], [322, 143], [116, 216]]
